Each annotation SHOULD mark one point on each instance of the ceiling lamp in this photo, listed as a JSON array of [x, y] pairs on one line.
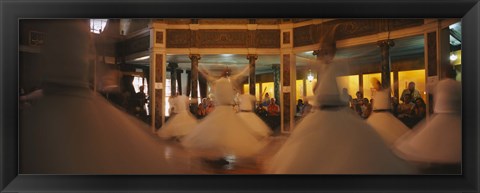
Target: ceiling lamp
[[310, 75], [453, 57]]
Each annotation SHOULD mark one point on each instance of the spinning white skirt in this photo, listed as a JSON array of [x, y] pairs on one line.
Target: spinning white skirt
[[79, 132], [387, 126], [222, 133], [438, 141], [255, 125], [335, 142], [179, 125]]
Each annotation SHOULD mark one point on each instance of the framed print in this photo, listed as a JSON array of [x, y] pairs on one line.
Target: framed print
[[226, 96]]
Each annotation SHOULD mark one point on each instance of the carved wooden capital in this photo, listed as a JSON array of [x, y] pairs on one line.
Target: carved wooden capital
[[172, 66], [386, 43], [194, 57], [252, 57]]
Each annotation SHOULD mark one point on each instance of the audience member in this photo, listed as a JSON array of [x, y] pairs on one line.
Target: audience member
[[366, 108], [420, 110], [273, 109], [414, 94], [406, 111], [300, 108]]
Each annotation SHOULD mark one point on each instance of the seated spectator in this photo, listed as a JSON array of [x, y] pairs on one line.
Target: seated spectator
[[300, 108], [366, 108], [273, 109], [358, 102], [266, 100], [420, 110], [406, 111], [414, 94]]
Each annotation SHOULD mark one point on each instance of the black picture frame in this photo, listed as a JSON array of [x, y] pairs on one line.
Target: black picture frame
[[12, 11]]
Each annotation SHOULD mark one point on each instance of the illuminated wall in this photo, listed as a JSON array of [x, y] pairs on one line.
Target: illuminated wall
[[268, 87], [351, 83], [310, 87], [299, 90], [246, 89]]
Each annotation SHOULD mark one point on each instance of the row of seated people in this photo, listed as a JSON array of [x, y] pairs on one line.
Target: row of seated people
[[411, 111]]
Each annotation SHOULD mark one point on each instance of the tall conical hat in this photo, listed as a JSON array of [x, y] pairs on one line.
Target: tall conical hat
[[327, 92], [448, 96], [382, 100], [224, 92], [440, 139], [67, 47]]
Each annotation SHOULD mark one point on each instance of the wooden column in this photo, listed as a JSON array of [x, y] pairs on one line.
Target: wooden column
[[385, 62], [194, 78], [395, 86], [431, 69], [288, 76], [189, 82], [157, 73], [179, 80], [173, 78], [276, 81], [446, 68], [251, 80]]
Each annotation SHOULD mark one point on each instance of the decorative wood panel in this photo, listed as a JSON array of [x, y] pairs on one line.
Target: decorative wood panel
[[357, 27], [158, 92], [395, 24], [286, 70], [137, 44], [267, 21], [286, 111], [286, 37], [223, 21], [251, 38], [222, 38], [304, 35], [178, 38], [177, 21], [159, 37], [267, 39], [297, 20], [432, 53]]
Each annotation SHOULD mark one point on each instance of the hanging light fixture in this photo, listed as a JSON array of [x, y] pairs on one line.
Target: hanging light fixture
[[310, 75], [453, 57]]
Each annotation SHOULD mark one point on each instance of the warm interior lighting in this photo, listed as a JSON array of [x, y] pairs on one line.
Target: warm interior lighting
[[142, 58], [310, 76], [453, 57]]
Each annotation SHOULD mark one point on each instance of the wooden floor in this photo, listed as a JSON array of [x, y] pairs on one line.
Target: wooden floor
[[254, 165], [179, 157]]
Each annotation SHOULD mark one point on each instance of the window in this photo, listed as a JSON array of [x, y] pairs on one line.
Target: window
[[97, 25]]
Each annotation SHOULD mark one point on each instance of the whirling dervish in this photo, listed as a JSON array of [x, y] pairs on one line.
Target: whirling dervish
[[222, 133], [181, 122], [382, 119], [255, 124], [439, 141], [331, 139], [73, 130]]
